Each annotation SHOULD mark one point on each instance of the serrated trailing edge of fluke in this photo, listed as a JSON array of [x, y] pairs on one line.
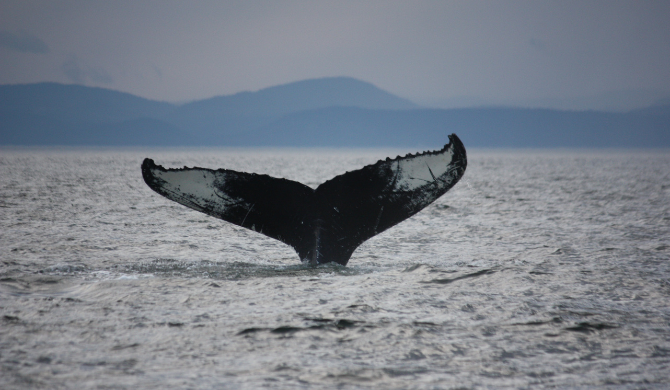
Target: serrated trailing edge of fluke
[[454, 142], [149, 163]]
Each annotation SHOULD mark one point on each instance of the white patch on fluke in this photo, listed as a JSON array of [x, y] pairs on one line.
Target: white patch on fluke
[[199, 189], [422, 170]]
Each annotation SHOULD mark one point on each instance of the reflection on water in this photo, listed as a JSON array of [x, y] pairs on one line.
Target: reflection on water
[[236, 270], [539, 269]]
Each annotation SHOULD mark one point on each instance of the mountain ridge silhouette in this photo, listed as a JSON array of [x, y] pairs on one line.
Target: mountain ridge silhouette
[[331, 112]]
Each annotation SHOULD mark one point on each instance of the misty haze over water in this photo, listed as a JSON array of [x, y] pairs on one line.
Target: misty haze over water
[[328, 112]]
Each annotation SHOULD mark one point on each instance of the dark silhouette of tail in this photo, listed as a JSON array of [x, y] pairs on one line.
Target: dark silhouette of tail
[[325, 224]]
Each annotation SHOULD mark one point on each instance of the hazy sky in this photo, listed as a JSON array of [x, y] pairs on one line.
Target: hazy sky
[[428, 51]]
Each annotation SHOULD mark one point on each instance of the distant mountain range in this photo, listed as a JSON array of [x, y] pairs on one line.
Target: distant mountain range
[[334, 112]]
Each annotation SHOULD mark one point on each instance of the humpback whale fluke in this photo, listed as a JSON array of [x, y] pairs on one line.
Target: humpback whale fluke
[[324, 224]]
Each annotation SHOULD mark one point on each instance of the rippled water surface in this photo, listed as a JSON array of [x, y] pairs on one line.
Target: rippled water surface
[[540, 269]]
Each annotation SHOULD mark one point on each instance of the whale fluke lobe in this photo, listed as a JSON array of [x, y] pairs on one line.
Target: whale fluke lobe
[[325, 224]]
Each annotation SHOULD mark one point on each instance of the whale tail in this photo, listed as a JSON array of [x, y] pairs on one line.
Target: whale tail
[[325, 224]]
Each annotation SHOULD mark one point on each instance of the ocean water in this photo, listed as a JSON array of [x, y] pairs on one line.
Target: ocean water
[[540, 269]]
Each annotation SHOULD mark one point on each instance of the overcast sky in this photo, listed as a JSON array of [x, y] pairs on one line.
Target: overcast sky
[[433, 52]]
